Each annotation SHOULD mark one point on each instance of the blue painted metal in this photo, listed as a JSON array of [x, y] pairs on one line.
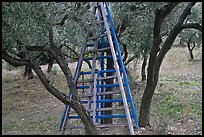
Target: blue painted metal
[[113, 116], [97, 98], [104, 101], [103, 116], [102, 65], [109, 85], [100, 86], [102, 71], [82, 87], [101, 57], [69, 96], [122, 66]]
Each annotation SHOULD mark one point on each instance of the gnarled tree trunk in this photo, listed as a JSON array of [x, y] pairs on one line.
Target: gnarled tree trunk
[[156, 57]]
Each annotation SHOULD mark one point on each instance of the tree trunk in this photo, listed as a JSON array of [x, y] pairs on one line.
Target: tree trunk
[[144, 63], [28, 72], [156, 59], [145, 105], [74, 103], [50, 64], [90, 128], [190, 50], [191, 55]]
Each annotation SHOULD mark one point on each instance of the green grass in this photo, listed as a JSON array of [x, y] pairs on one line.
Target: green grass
[[176, 98], [188, 83]]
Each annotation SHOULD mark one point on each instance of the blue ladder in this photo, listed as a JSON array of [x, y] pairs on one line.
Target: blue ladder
[[94, 92]]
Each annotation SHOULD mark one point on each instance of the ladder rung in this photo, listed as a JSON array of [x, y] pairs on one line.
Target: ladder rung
[[109, 100], [109, 85], [113, 116], [82, 87], [85, 81], [108, 77], [108, 71], [85, 95], [103, 116], [100, 57], [104, 101], [99, 44], [101, 86], [100, 93], [101, 71], [112, 125], [110, 108], [74, 117], [98, 50], [92, 38], [106, 93]]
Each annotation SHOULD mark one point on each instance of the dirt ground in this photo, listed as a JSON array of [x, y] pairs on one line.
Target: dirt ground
[[27, 108]]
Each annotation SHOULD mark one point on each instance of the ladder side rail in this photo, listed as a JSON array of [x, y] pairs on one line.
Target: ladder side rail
[[81, 58], [76, 75], [94, 101], [97, 98], [64, 121], [102, 60], [122, 67], [117, 71], [93, 71]]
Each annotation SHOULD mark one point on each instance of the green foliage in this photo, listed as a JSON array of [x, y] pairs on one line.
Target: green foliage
[[28, 23]]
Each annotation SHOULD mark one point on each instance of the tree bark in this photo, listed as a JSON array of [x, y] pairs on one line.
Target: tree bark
[[28, 72], [190, 49], [90, 128], [155, 59], [74, 103], [144, 63], [125, 52], [50, 64]]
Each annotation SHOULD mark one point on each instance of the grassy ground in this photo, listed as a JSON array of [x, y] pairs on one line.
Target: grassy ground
[[27, 108]]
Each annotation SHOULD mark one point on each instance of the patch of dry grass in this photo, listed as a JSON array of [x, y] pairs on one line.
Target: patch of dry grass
[[27, 108]]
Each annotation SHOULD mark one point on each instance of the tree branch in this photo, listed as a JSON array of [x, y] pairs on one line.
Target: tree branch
[[129, 60], [70, 49], [13, 61], [172, 36], [37, 48], [61, 23], [60, 95], [16, 62], [192, 25], [125, 52]]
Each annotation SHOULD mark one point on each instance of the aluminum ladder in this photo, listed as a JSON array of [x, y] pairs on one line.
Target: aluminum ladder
[[91, 90]]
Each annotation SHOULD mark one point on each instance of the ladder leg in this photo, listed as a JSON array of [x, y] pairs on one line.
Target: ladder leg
[[76, 76], [93, 72], [123, 68], [65, 120], [117, 71]]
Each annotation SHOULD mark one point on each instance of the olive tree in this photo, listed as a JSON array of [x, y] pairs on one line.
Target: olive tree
[[157, 56], [37, 26]]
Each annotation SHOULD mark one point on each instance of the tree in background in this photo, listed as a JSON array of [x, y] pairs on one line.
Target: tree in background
[[157, 56], [37, 26], [56, 31]]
